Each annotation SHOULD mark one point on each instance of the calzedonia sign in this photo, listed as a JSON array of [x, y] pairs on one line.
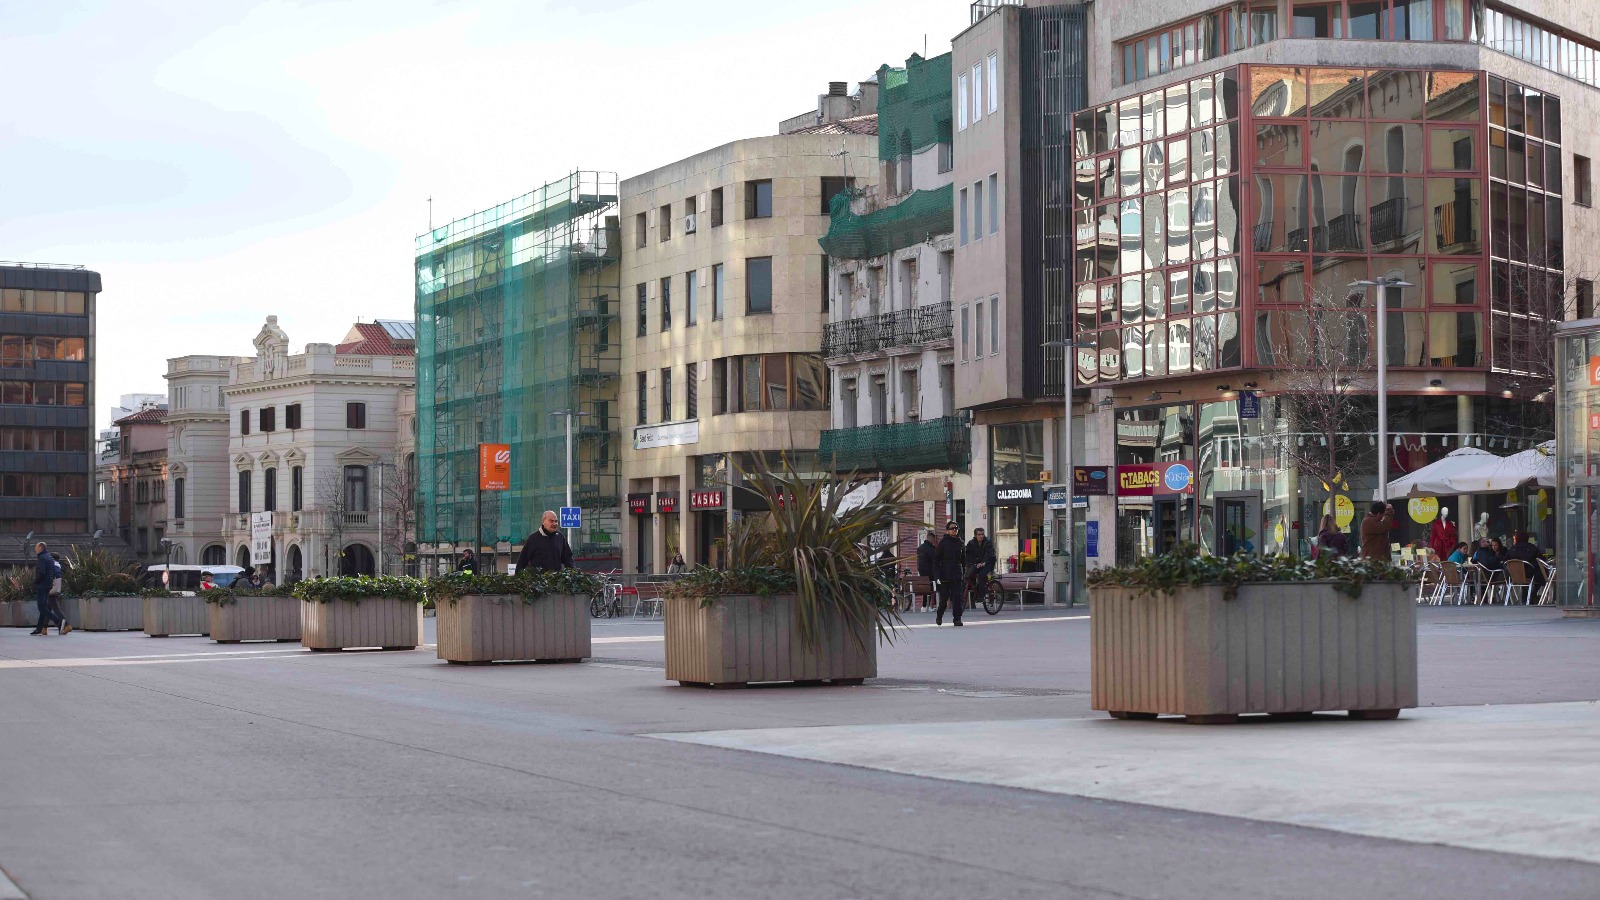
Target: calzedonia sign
[[1155, 479], [1016, 494]]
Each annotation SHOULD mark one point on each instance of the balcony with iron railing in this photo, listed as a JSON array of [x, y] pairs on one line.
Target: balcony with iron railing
[[942, 443], [982, 8], [1388, 221], [874, 334]]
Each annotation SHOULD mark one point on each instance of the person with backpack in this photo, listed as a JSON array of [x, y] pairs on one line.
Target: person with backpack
[[46, 581]]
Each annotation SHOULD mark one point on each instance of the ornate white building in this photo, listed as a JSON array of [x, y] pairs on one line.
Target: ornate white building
[[316, 439]]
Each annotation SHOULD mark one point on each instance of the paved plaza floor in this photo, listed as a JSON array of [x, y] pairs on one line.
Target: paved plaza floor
[[180, 768]]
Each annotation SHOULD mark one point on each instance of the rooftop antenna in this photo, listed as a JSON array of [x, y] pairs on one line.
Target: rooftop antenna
[[430, 212], [924, 45]]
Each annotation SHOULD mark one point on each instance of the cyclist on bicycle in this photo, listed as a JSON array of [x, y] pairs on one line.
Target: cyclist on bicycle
[[980, 560]]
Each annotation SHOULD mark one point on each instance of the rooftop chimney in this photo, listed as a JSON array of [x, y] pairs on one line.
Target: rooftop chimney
[[838, 88]]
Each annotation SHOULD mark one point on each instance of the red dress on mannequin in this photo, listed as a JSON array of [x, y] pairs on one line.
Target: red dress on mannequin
[[1442, 538]]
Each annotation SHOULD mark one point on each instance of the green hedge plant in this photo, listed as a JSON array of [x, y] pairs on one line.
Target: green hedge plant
[[359, 587], [529, 586], [1186, 567]]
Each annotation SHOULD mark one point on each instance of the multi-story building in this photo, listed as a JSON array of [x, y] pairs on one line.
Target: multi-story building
[[197, 453], [1238, 171], [1017, 73], [517, 308], [728, 294], [308, 438], [111, 467], [47, 452], [887, 342], [131, 487]]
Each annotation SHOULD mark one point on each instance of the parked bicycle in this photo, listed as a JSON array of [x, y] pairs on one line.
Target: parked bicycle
[[606, 603]]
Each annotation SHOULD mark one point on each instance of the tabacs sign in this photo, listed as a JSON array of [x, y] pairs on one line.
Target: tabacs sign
[[1155, 479]]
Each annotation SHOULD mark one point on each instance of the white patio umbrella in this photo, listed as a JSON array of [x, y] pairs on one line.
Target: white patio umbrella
[[1433, 478], [1534, 466]]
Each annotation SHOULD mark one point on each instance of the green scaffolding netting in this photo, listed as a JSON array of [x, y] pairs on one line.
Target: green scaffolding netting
[[913, 106], [913, 220], [905, 447], [517, 310]]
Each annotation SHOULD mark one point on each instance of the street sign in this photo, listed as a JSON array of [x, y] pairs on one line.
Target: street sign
[[494, 467], [1249, 405], [1055, 496], [1091, 540], [571, 517]]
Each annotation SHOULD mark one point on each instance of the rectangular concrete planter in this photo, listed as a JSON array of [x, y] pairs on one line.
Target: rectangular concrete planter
[[1275, 648], [110, 613], [478, 629], [71, 607], [254, 619], [25, 613], [165, 616], [386, 622], [736, 640]]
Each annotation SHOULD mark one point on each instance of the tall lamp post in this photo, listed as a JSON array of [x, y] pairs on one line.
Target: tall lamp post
[[569, 415], [1068, 377], [1383, 285]]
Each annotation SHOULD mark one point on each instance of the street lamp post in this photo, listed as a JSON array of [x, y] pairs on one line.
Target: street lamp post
[[569, 415], [1069, 473], [1383, 284]]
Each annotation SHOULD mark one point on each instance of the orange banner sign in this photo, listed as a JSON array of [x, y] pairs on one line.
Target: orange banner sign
[[494, 467]]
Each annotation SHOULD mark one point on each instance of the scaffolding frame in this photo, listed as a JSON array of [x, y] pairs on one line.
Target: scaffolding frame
[[517, 312]]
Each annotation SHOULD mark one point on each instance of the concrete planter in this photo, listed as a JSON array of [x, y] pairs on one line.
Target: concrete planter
[[736, 640], [110, 613], [8, 619], [254, 619], [481, 629], [166, 616], [72, 608], [1281, 649], [386, 622]]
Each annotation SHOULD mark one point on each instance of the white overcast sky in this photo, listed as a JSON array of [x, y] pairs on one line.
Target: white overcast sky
[[221, 161]]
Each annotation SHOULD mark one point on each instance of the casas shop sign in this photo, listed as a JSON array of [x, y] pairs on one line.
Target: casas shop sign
[[706, 500]]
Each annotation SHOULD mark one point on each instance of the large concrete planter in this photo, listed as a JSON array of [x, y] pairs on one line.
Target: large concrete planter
[[479, 629], [1282, 649], [736, 640], [166, 616], [110, 613], [254, 619], [385, 622], [71, 607]]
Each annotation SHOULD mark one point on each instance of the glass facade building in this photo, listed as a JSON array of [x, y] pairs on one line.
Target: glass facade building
[[1219, 224], [517, 320]]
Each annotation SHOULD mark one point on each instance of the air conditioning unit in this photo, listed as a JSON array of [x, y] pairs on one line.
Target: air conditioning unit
[[688, 224]]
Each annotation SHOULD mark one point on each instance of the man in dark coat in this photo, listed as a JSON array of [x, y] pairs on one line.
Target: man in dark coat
[[468, 563], [980, 554], [546, 550], [948, 560], [46, 571], [928, 563]]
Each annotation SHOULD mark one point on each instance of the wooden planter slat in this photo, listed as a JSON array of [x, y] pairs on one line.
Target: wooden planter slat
[[1276, 648], [386, 622], [111, 613], [478, 628], [742, 639], [255, 619], [165, 616]]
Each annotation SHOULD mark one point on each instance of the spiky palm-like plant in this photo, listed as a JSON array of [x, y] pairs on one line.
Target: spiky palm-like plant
[[818, 532], [97, 569]]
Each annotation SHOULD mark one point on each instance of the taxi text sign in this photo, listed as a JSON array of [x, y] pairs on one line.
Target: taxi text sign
[[494, 467]]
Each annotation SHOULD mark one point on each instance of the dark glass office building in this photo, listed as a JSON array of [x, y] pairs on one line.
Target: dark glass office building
[[46, 402]]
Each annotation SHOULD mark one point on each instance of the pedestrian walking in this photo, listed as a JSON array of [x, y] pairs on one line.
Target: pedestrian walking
[[546, 550], [47, 579], [950, 556], [1331, 542], [468, 563], [1375, 530], [928, 564]]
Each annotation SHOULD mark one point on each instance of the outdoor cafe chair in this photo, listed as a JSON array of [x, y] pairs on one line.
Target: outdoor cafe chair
[[1547, 593], [1487, 580], [1452, 579], [1519, 579]]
